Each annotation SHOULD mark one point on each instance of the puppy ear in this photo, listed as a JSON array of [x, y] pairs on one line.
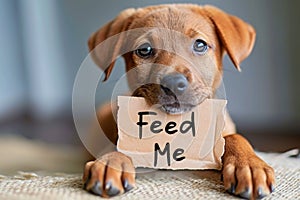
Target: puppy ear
[[236, 36], [109, 52]]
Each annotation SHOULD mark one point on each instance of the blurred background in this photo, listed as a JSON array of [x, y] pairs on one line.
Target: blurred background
[[43, 44]]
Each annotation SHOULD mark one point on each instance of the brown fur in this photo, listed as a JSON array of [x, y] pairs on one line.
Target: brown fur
[[243, 172]]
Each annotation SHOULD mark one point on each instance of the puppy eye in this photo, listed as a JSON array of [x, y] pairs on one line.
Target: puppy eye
[[144, 51], [200, 46]]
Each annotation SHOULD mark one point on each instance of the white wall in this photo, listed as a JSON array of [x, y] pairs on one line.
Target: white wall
[[12, 82]]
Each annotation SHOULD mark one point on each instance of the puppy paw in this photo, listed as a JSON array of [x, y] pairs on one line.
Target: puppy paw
[[111, 175], [248, 177]]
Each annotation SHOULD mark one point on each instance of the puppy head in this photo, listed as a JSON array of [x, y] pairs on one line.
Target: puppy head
[[175, 54]]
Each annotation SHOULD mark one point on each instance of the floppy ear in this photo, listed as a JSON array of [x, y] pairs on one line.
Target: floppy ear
[[106, 55], [236, 36]]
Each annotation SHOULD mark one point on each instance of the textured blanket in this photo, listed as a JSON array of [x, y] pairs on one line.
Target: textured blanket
[[152, 185]]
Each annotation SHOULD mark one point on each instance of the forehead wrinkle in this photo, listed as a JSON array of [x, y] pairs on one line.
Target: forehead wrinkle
[[195, 34], [168, 17], [181, 20], [192, 33], [144, 38], [159, 39]]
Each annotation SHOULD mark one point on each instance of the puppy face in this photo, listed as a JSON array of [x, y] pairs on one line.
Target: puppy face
[[177, 63], [176, 59]]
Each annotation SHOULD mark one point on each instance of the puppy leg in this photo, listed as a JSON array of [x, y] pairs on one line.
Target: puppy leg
[[245, 174], [113, 173], [110, 175]]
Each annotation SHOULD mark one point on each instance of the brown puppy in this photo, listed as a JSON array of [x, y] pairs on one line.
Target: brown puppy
[[178, 83]]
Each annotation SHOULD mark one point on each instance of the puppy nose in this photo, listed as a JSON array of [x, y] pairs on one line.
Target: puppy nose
[[175, 83]]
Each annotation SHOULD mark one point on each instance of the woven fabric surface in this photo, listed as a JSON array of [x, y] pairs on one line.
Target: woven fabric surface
[[153, 185]]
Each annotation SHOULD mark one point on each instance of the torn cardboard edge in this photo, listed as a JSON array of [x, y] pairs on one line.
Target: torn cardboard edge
[[155, 139]]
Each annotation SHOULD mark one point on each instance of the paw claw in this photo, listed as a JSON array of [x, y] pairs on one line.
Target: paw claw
[[246, 194], [96, 188], [231, 190], [111, 190], [126, 185], [260, 193], [85, 184], [272, 188]]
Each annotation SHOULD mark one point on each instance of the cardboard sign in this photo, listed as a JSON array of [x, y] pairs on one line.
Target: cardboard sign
[[155, 139]]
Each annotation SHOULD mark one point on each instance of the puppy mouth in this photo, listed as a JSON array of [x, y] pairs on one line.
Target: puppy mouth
[[173, 104], [168, 103], [177, 108]]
